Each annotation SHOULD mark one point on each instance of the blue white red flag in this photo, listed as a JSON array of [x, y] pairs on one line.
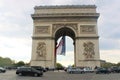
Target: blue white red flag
[[61, 47]]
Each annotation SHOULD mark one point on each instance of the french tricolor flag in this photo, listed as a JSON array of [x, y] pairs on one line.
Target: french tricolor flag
[[60, 50]]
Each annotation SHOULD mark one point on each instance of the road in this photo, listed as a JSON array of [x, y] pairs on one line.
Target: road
[[10, 75]]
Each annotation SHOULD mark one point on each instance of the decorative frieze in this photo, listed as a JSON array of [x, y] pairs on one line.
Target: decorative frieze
[[57, 26], [42, 29], [69, 19], [59, 15], [87, 29]]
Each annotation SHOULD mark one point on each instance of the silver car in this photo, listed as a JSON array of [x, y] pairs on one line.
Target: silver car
[[75, 70], [3, 70]]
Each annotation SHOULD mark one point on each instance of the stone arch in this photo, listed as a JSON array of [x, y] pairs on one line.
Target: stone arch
[[64, 31], [71, 28]]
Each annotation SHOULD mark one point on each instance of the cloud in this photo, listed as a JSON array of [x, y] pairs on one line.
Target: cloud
[[66, 60], [15, 21], [110, 55], [1, 3], [59, 2], [109, 43], [107, 55], [16, 48], [108, 25], [69, 44]]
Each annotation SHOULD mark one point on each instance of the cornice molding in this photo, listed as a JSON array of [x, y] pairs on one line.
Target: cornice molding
[[82, 15], [87, 37], [52, 38], [39, 37], [64, 6]]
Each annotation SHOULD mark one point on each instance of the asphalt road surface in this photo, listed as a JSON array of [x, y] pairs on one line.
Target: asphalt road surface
[[61, 75]]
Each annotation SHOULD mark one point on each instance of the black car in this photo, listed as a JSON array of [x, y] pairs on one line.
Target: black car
[[115, 69], [28, 71], [102, 70], [39, 68]]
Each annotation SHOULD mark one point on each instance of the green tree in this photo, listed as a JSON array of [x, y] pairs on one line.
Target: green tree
[[107, 65], [59, 66], [27, 64], [6, 61], [118, 64], [73, 65], [20, 63]]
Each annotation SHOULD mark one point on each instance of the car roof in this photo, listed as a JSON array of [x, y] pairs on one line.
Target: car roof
[[23, 67]]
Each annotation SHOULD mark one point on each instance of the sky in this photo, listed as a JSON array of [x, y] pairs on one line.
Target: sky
[[16, 27]]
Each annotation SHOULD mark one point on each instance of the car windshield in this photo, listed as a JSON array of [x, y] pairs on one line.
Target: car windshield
[[1, 67], [33, 69]]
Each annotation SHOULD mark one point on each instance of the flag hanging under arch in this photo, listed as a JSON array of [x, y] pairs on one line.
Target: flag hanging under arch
[[60, 49]]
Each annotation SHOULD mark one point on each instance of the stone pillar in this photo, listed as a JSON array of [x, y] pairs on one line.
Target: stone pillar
[[87, 47]]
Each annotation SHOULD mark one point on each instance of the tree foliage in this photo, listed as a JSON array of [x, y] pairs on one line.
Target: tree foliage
[[58, 65], [118, 64], [107, 64], [6, 61], [20, 63]]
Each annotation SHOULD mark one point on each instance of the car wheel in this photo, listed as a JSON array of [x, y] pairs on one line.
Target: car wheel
[[20, 74], [35, 74]]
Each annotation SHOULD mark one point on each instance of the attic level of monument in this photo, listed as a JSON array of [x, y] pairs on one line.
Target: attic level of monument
[[70, 12]]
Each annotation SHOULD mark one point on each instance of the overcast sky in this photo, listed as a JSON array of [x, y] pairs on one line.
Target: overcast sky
[[16, 26]]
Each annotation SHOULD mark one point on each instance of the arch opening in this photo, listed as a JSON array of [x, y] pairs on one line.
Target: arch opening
[[65, 31], [68, 58]]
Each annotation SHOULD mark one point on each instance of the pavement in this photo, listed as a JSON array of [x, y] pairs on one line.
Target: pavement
[[60, 75]]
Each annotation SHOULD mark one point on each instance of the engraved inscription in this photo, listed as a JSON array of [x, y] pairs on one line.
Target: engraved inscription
[[88, 50], [42, 30], [87, 29]]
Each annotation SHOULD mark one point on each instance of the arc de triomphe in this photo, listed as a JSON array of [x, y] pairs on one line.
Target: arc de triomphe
[[76, 21]]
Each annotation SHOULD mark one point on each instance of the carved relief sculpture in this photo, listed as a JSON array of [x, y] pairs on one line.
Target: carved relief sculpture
[[73, 26], [42, 30], [41, 50], [87, 29], [88, 50]]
